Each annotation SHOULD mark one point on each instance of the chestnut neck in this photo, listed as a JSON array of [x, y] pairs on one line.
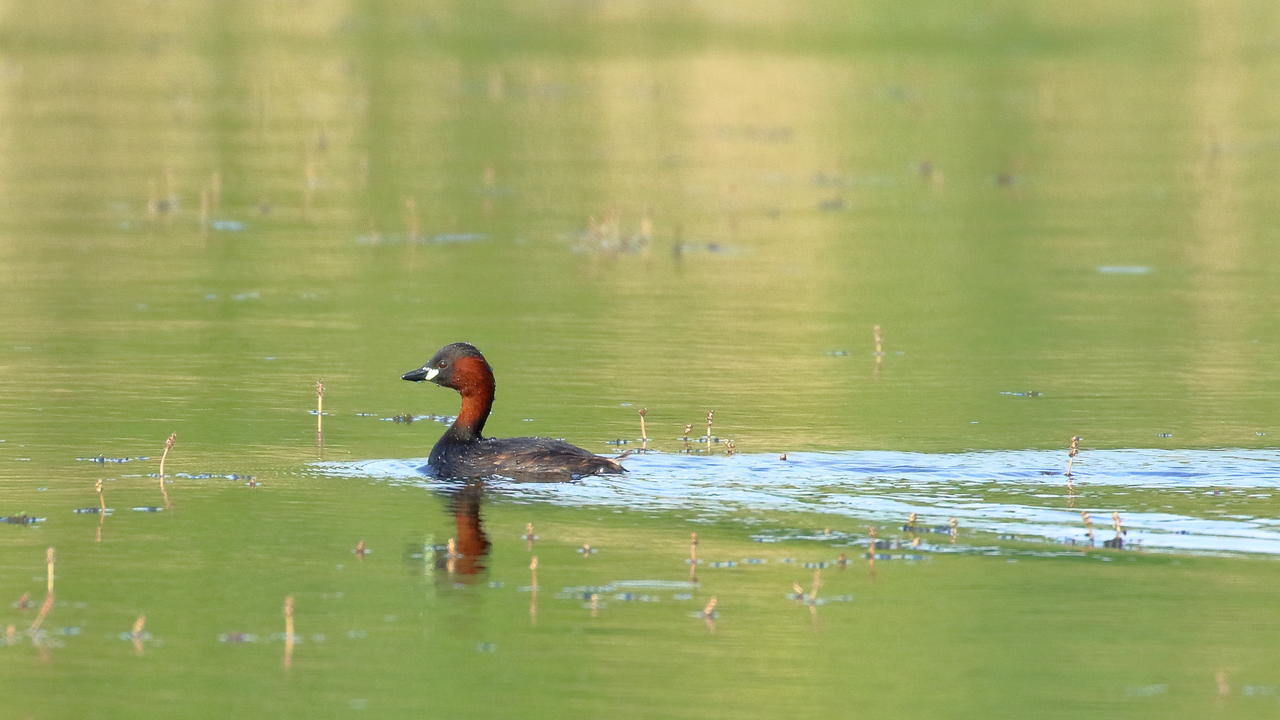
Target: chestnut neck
[[473, 379]]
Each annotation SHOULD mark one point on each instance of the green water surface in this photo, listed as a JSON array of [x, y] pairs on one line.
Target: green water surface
[[1061, 215]]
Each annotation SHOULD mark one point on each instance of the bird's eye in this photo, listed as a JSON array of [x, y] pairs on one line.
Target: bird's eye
[[442, 364]]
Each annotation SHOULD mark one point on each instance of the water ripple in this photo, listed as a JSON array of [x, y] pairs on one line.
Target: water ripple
[[1185, 500]]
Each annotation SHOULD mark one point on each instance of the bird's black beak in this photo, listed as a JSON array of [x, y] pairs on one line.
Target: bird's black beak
[[426, 372]]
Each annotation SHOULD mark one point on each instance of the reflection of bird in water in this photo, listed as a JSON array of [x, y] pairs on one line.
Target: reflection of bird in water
[[470, 546]]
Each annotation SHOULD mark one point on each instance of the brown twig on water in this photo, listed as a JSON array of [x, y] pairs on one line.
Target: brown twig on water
[[529, 536], [1072, 452], [533, 589], [50, 557], [709, 610], [711, 414], [644, 433], [954, 524], [1115, 522], [288, 632], [319, 412], [813, 590], [1088, 525], [878, 336], [360, 550], [168, 445], [136, 634], [102, 510]]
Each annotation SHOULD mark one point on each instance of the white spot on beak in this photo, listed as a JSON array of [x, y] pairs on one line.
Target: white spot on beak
[[431, 373]]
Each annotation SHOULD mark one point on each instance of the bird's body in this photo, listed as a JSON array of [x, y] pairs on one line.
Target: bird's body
[[462, 452]]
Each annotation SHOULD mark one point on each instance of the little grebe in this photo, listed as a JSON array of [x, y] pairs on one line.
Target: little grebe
[[463, 453]]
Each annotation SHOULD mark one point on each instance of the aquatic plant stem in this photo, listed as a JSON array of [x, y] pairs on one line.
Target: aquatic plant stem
[[288, 632], [533, 589], [319, 413], [50, 556], [136, 634], [168, 445]]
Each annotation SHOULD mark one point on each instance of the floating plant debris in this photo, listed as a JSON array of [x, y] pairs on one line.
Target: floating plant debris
[[102, 459], [408, 418], [1026, 393], [22, 519], [1124, 269], [147, 508], [636, 597], [439, 239], [207, 476]]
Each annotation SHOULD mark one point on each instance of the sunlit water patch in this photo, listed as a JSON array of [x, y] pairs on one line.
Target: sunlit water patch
[[1185, 500]]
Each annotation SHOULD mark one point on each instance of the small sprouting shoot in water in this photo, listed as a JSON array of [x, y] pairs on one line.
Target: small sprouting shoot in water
[[1072, 452], [644, 434], [50, 556], [709, 610], [138, 634], [289, 637], [168, 445]]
